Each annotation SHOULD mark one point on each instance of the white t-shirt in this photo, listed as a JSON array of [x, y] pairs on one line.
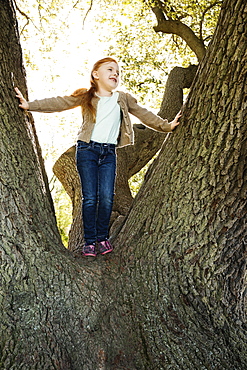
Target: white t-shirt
[[106, 129]]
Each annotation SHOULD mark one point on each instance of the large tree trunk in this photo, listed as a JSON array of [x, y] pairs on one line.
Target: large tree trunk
[[171, 295], [183, 245]]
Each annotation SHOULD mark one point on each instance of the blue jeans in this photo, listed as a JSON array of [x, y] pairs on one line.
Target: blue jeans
[[96, 164]]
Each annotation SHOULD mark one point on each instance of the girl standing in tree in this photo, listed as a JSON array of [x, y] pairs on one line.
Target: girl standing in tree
[[106, 124]]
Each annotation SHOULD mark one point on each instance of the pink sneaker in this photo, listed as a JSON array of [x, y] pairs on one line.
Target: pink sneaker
[[89, 250], [105, 247]]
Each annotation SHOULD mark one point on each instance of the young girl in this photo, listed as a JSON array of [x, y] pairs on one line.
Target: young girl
[[106, 124]]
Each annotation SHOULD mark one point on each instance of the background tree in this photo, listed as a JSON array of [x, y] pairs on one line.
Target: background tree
[[172, 294], [146, 53]]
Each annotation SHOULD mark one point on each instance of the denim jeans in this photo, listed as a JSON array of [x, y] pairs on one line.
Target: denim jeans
[[96, 164]]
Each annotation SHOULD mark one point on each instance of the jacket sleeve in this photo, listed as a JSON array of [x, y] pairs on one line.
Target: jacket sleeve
[[145, 116], [58, 104]]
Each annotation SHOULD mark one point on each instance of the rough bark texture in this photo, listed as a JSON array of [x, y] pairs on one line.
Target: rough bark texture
[[130, 159], [188, 222], [172, 294]]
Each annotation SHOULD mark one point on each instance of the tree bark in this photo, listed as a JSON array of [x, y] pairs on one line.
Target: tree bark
[[172, 294], [188, 222]]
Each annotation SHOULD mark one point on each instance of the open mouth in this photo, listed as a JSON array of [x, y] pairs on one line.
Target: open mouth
[[113, 79]]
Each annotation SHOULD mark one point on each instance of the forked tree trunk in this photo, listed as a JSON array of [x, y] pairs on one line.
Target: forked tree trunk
[[171, 295]]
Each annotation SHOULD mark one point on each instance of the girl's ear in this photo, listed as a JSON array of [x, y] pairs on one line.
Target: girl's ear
[[95, 75]]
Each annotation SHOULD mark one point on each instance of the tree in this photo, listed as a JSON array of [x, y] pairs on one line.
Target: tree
[[183, 29], [172, 294], [202, 16]]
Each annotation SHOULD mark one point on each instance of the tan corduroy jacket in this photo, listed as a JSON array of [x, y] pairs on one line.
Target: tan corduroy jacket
[[128, 104]]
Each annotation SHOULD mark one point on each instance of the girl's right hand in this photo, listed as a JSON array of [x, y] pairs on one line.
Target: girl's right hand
[[23, 103]]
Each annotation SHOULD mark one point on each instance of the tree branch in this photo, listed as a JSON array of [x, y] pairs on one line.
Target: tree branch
[[89, 9], [204, 13], [24, 15], [178, 28]]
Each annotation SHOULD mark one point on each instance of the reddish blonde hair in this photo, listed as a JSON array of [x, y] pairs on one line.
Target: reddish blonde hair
[[87, 95]]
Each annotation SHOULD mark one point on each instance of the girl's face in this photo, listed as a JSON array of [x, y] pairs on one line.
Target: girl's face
[[107, 76]]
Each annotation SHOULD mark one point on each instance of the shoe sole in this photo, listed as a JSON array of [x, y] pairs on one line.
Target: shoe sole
[[89, 254], [109, 250]]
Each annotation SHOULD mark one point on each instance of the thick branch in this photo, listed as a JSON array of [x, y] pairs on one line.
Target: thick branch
[[178, 28], [147, 141]]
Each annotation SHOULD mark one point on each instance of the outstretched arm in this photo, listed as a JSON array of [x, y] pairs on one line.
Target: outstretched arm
[[50, 105], [150, 119], [23, 103]]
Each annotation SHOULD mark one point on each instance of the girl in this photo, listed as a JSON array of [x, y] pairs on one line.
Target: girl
[[106, 124]]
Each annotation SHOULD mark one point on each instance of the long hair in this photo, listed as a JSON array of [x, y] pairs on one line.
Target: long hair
[[87, 95]]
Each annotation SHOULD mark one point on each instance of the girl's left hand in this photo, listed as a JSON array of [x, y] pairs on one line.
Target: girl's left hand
[[176, 122]]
